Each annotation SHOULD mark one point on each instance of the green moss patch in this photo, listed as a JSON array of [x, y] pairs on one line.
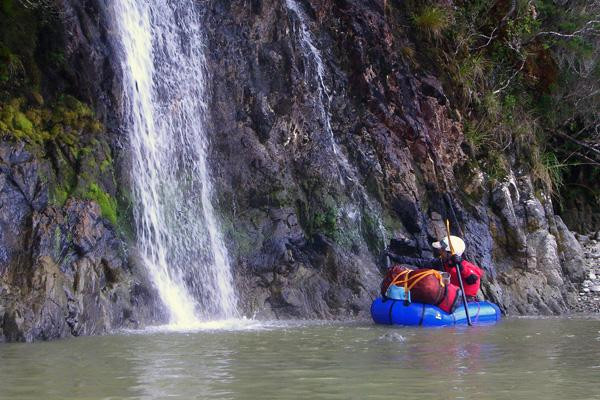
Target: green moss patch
[[108, 205], [64, 122], [59, 196]]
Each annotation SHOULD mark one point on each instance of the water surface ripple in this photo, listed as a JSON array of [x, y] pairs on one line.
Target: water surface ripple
[[517, 359]]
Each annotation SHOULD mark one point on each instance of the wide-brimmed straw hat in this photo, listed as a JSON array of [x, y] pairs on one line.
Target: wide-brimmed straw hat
[[457, 243]]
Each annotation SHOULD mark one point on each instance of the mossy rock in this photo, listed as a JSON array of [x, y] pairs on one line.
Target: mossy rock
[[65, 122], [21, 122], [59, 196], [371, 232], [108, 205]]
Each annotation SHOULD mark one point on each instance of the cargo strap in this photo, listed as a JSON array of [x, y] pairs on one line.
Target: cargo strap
[[409, 282]]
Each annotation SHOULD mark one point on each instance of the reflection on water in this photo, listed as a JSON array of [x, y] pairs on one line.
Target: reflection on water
[[161, 370], [519, 358]]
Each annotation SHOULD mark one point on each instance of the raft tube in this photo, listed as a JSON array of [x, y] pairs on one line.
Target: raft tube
[[396, 312]]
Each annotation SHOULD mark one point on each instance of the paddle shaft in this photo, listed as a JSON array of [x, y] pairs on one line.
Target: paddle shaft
[[459, 276], [464, 296]]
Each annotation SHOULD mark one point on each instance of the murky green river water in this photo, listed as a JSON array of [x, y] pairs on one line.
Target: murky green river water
[[517, 359]]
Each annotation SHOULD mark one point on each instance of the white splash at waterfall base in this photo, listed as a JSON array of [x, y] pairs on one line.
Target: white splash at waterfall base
[[164, 81]]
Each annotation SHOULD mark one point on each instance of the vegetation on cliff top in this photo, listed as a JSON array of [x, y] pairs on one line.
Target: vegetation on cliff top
[[525, 78]]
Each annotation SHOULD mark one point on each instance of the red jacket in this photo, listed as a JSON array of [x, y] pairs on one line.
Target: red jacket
[[468, 270]]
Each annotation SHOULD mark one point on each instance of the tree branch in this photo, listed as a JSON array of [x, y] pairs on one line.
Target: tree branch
[[489, 38], [579, 143], [585, 29], [510, 79]]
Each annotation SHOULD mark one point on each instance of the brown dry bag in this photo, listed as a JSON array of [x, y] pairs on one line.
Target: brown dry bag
[[425, 285]]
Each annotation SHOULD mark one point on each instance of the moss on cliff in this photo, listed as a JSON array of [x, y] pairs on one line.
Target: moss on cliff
[[66, 132], [63, 122], [31, 47], [108, 205], [38, 107]]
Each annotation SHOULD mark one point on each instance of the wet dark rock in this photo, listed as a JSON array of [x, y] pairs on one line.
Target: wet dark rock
[[64, 272], [396, 130], [89, 51]]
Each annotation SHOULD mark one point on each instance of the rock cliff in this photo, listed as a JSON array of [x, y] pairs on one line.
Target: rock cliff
[[66, 268], [327, 142], [64, 271]]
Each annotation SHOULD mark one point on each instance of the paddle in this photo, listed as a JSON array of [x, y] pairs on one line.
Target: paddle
[[460, 282]]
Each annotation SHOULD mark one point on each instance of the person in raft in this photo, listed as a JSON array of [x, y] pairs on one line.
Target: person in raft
[[471, 274]]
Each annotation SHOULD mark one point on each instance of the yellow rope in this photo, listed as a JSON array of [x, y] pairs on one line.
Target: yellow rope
[[403, 278]]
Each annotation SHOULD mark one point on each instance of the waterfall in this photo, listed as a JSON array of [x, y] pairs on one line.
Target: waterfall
[[311, 52], [348, 177], [164, 99]]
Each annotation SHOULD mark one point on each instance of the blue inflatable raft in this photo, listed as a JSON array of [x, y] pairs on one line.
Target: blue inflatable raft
[[397, 312]]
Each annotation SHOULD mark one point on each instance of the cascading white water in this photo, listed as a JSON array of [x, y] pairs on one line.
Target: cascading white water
[[312, 55], [164, 82], [310, 51]]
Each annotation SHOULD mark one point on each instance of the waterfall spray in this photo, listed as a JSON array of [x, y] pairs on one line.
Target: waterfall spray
[[164, 81]]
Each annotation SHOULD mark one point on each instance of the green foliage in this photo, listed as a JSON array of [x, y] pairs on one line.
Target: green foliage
[[555, 169], [320, 214], [7, 7], [61, 129], [21, 123], [519, 75], [30, 39], [16, 124], [476, 137], [326, 221], [471, 74], [492, 107], [371, 231], [432, 20], [11, 66], [495, 166], [18, 40], [59, 196], [107, 204], [106, 165], [548, 169], [510, 102], [280, 197], [62, 122]]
